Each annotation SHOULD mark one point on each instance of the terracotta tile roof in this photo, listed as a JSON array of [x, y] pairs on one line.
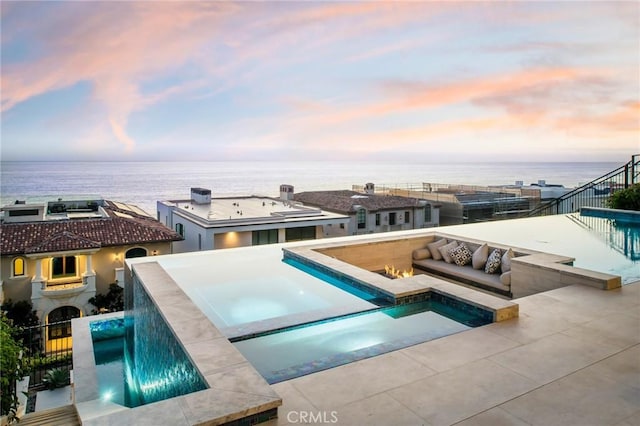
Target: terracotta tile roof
[[78, 234], [343, 201], [60, 242]]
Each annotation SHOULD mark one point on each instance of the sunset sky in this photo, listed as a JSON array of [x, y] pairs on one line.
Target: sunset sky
[[409, 81]]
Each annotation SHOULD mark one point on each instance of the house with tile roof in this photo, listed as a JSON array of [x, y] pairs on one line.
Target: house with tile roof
[[57, 255], [370, 212]]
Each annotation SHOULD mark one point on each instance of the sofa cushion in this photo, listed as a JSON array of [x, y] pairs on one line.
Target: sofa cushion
[[444, 251], [493, 262], [461, 255], [433, 248], [506, 260], [505, 278], [480, 256], [471, 246], [420, 254], [463, 274]]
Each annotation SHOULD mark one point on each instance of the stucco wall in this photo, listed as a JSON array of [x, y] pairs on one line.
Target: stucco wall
[[374, 256]]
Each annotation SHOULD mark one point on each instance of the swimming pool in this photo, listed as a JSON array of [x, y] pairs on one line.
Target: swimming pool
[[261, 294], [289, 318], [110, 369], [318, 346], [138, 359]]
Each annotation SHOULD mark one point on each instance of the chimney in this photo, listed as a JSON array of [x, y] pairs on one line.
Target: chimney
[[369, 188], [286, 192], [201, 196]]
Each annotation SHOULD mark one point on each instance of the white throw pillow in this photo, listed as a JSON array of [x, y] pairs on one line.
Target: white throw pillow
[[505, 278], [480, 256], [433, 248], [506, 260], [444, 251]]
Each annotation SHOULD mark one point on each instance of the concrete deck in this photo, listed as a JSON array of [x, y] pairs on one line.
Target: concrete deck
[[572, 357]]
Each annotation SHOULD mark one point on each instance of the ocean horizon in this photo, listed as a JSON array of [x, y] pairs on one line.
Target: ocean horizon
[[145, 183]]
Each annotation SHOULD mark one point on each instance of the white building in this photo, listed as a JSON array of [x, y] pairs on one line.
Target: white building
[[208, 223]]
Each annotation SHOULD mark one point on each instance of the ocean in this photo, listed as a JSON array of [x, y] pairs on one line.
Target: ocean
[[145, 183]]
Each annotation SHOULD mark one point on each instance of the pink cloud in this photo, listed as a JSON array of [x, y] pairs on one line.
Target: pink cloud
[[122, 45], [401, 97]]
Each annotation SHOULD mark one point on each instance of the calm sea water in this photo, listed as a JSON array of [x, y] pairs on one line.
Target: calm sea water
[[144, 183]]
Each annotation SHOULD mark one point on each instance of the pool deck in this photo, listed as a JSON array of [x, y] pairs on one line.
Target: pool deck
[[572, 357]]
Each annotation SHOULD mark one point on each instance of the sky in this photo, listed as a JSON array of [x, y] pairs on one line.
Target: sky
[[310, 80]]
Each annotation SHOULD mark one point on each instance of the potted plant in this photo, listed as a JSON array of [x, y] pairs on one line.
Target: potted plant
[[56, 378]]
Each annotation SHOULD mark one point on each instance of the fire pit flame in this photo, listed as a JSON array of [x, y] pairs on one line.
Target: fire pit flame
[[392, 272]]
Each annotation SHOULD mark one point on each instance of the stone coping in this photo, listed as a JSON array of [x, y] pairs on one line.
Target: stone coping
[[418, 284], [235, 389], [558, 264]]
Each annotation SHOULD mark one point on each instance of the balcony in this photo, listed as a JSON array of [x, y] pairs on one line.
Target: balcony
[[63, 290]]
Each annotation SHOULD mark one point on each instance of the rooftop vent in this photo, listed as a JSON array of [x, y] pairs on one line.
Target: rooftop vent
[[201, 195], [286, 192], [369, 188]]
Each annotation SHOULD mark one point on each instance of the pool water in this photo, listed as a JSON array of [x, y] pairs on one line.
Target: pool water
[[266, 294], [110, 369], [326, 344], [289, 319]]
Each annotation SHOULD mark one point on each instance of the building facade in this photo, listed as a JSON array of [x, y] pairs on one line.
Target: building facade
[[58, 255], [207, 223], [370, 213]]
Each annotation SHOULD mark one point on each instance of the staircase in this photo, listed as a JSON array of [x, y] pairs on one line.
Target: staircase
[[594, 193], [62, 416]]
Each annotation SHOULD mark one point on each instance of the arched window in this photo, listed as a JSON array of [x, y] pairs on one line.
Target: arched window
[[59, 321], [361, 217], [135, 252], [427, 213], [19, 267]]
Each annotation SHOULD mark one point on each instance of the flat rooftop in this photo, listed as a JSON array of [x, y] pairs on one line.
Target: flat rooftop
[[222, 211]]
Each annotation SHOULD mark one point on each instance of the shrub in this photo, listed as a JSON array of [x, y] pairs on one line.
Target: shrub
[[21, 313], [41, 362], [56, 378], [625, 199], [11, 351], [110, 302], [25, 323]]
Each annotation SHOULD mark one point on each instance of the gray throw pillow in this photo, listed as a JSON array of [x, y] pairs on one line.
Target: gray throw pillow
[[493, 262]]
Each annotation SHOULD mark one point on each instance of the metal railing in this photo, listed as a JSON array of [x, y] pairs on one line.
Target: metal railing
[[49, 346], [594, 193]]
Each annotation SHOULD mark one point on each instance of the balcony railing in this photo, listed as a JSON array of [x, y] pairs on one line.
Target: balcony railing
[[594, 193]]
